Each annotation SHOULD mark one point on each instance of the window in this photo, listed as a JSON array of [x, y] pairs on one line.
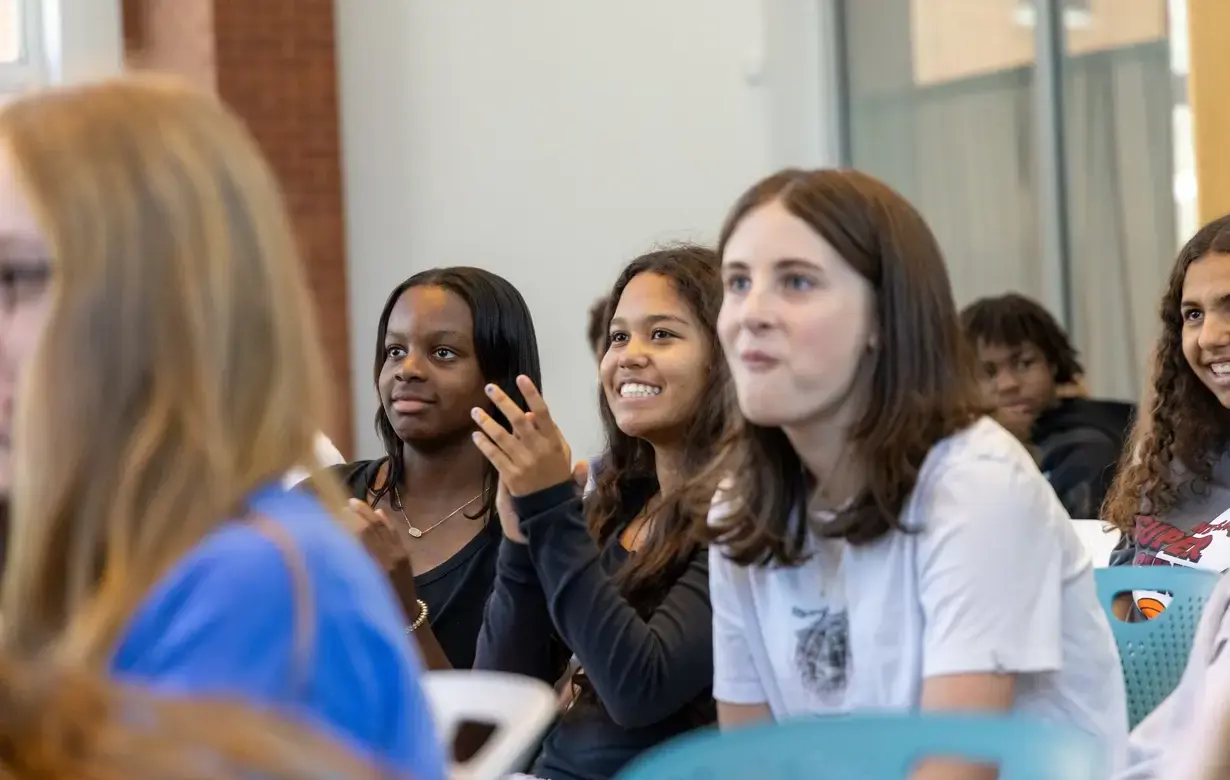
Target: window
[[1077, 14], [22, 64], [1035, 154]]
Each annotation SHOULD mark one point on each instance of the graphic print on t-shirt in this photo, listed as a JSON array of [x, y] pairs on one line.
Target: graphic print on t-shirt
[[821, 651], [1158, 543]]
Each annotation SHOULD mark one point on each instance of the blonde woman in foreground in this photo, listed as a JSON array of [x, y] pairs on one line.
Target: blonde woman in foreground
[[172, 376]]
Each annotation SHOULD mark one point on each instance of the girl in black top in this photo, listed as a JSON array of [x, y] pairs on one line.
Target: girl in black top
[[443, 335], [620, 582]]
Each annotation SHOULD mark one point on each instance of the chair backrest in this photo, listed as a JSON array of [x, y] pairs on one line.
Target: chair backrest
[[875, 747], [520, 709], [1154, 652]]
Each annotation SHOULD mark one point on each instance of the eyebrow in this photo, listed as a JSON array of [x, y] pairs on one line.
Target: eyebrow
[[797, 262], [779, 264], [436, 335], [1221, 301], [653, 319]]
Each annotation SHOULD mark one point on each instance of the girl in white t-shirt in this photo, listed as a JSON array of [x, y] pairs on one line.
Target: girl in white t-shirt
[[881, 545]]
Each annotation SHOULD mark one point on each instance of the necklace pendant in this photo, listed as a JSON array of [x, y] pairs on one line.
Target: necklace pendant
[[416, 533]]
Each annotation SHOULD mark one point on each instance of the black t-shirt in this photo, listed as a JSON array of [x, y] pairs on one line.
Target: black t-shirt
[[456, 591]]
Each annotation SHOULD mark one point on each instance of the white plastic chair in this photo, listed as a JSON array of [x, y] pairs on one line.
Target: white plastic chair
[[1093, 534], [520, 708]]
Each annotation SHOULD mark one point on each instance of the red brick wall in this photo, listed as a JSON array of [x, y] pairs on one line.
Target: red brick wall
[[273, 62]]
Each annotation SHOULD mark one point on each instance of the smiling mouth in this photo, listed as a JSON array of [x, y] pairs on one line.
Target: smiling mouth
[[638, 390], [1220, 370]]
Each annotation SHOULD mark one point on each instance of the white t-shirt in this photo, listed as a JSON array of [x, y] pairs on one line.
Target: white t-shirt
[[994, 580], [1179, 739]]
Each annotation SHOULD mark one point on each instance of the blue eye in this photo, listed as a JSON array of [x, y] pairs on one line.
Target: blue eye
[[798, 283], [738, 284]]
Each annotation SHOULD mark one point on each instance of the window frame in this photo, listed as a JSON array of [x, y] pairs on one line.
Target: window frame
[[29, 70]]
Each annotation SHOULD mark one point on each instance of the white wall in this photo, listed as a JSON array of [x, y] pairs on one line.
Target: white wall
[[551, 141]]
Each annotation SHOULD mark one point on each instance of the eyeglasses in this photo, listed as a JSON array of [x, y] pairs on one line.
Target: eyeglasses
[[22, 283]]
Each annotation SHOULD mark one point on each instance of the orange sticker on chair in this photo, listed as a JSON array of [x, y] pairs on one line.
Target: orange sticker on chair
[[1150, 607]]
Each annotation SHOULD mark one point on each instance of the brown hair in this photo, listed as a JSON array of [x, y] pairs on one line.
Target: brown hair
[[180, 367], [58, 723], [1183, 429], [595, 330], [923, 387], [694, 273]]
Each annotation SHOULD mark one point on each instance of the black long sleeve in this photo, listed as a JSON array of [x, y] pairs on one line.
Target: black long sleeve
[[642, 670], [516, 635]]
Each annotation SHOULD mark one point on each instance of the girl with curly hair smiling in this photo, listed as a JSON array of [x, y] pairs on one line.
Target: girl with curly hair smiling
[[1172, 497]]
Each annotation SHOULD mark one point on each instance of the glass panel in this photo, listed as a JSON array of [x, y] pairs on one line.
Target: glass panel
[[1119, 122], [940, 105], [1184, 144], [10, 31]]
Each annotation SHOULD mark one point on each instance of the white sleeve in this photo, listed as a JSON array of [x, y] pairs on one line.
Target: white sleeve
[[1182, 737], [735, 680], [990, 568]]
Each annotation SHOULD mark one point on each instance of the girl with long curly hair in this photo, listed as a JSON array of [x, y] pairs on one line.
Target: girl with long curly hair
[[1172, 497]]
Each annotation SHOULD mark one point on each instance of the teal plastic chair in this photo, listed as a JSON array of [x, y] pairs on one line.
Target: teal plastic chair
[[874, 747], [1154, 652]]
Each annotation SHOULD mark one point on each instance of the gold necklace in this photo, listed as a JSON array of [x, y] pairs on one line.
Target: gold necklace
[[417, 532]]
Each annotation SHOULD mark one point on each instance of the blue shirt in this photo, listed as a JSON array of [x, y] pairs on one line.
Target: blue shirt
[[222, 622]]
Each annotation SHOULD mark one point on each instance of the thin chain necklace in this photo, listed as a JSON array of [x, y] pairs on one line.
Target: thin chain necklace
[[417, 532]]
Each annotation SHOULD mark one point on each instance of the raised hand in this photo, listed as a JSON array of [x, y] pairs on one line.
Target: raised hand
[[580, 474], [534, 455]]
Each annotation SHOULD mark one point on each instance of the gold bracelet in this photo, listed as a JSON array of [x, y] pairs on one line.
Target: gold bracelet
[[420, 620]]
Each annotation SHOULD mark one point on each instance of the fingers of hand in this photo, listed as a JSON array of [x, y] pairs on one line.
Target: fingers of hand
[[516, 417], [492, 452], [496, 433], [534, 401], [580, 474]]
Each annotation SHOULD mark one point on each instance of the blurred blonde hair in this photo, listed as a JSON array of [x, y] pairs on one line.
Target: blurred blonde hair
[[58, 723], [180, 367]]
